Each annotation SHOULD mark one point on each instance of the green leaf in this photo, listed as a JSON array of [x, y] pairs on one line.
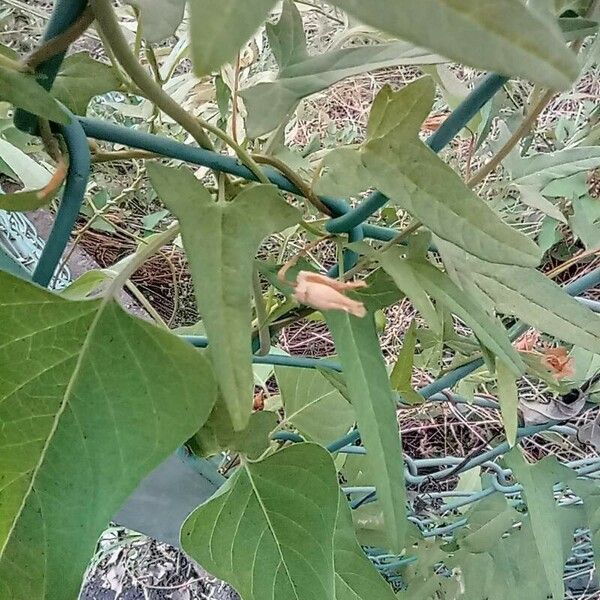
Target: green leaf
[[576, 28], [585, 221], [548, 235], [401, 377], [534, 198], [218, 434], [33, 175], [509, 400], [373, 401], [488, 521], [221, 240], [538, 301], [269, 530], [403, 275], [153, 219], [91, 400], [417, 180], [588, 491], [80, 79], [408, 107], [512, 564], [218, 34], [538, 480], [286, 37], [317, 73], [313, 405], [438, 285], [381, 291], [23, 91], [24, 201], [500, 36], [342, 174], [159, 18], [355, 576], [540, 169]]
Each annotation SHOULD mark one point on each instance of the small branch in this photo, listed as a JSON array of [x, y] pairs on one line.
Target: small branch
[[151, 58], [514, 139], [61, 42], [137, 294], [104, 157], [51, 144], [116, 41], [281, 274], [234, 97], [143, 253]]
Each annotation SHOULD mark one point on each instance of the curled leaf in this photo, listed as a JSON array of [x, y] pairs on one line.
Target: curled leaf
[[323, 293], [535, 413]]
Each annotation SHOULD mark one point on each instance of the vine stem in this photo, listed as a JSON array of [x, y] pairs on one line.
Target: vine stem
[[61, 42], [521, 131], [197, 127], [264, 334]]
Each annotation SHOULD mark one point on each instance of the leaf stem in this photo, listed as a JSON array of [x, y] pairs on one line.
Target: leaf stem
[[264, 334], [104, 157], [137, 294], [155, 243]]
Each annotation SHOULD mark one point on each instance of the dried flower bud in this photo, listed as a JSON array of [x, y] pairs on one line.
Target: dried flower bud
[[528, 341], [559, 362], [323, 293]]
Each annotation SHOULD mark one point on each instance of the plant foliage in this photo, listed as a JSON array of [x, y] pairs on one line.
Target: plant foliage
[[92, 399]]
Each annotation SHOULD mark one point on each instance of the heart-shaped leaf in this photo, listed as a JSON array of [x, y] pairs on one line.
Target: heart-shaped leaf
[[91, 401], [313, 405], [218, 33], [269, 530]]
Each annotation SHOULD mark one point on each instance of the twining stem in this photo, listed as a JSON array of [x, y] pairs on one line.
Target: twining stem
[[556, 271], [197, 127], [292, 176], [61, 42], [51, 144], [116, 41]]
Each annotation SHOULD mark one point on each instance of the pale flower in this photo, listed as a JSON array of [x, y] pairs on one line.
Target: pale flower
[[323, 293]]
